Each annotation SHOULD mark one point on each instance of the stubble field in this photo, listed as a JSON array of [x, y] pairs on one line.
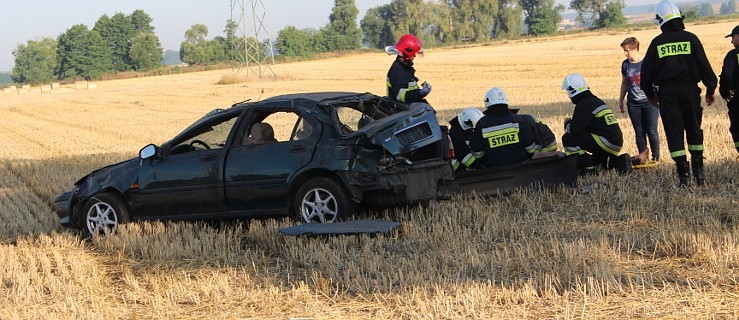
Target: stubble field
[[614, 247]]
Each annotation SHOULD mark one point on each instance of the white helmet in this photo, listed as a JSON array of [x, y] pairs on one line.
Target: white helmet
[[666, 11], [574, 84], [468, 118], [495, 96]]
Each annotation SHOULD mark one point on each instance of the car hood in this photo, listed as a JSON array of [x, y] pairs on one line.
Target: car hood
[[405, 131], [102, 173]]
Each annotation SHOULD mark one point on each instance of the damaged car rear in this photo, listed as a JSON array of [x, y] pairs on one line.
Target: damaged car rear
[[313, 156]]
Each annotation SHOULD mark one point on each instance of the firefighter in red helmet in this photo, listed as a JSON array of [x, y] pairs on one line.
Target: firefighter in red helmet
[[402, 83]]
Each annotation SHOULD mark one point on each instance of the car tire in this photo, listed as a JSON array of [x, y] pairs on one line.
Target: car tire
[[322, 200], [102, 215]]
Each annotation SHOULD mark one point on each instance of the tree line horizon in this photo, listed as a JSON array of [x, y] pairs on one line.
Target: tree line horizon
[[128, 42]]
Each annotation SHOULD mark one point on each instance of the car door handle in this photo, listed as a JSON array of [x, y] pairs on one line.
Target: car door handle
[[297, 149], [208, 157]]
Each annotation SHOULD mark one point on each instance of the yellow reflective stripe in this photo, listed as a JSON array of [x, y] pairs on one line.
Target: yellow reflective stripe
[[532, 148], [695, 147], [603, 144], [468, 160], [455, 164], [551, 147], [499, 132], [678, 153], [478, 154], [603, 113]]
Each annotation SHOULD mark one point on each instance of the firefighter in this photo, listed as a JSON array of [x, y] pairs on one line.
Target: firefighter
[[402, 83], [461, 129], [592, 132], [672, 67], [502, 137], [729, 84]]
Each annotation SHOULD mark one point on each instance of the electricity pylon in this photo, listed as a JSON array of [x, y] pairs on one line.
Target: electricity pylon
[[252, 54]]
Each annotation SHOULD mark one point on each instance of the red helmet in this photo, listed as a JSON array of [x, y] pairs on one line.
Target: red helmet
[[408, 46]]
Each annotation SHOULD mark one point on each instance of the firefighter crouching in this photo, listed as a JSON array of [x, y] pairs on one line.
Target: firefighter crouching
[[461, 129], [593, 131], [502, 137]]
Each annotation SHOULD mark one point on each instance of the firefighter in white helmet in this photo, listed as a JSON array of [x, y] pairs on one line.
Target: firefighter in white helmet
[[673, 65], [461, 129], [502, 137], [592, 132]]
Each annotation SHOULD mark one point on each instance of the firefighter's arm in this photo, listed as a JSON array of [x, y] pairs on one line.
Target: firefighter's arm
[[728, 76], [580, 120], [704, 68], [647, 72]]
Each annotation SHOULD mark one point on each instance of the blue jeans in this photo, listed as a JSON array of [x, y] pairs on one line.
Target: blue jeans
[[644, 118]]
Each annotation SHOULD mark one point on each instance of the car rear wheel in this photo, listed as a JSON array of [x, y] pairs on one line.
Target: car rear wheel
[[104, 212], [322, 200]]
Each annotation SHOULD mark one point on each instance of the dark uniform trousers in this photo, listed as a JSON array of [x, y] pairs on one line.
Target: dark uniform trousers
[[681, 111], [734, 118]]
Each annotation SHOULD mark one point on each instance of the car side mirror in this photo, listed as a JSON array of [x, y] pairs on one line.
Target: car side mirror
[[148, 151]]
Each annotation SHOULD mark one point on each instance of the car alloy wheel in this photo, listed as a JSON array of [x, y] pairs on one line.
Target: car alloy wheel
[[322, 200], [103, 214]]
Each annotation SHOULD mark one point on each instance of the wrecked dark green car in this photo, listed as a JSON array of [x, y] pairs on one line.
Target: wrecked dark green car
[[313, 156]]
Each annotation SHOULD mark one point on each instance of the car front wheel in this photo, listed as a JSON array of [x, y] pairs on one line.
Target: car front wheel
[[322, 200], [104, 212]]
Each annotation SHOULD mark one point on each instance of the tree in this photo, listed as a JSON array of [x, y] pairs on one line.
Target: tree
[[542, 16], [375, 27], [141, 21], [82, 53], [612, 15], [589, 8], [342, 32], [35, 62], [117, 32], [146, 52], [728, 7], [473, 20], [705, 10], [195, 49], [689, 12], [293, 42], [510, 19], [233, 45]]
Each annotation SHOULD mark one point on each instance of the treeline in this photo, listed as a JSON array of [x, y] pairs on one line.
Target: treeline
[[128, 42], [118, 43]]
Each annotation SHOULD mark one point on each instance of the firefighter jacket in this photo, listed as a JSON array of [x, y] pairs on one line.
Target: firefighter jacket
[[544, 138], [676, 58], [463, 158], [502, 138], [729, 74], [402, 83], [593, 117]]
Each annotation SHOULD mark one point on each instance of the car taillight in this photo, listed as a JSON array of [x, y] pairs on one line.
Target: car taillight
[[450, 154]]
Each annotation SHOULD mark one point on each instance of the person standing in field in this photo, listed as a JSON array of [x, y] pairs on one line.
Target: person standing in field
[[673, 65], [643, 114], [593, 132], [729, 84], [402, 83]]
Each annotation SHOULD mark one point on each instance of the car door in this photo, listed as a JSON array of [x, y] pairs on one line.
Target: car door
[[257, 173], [189, 180]]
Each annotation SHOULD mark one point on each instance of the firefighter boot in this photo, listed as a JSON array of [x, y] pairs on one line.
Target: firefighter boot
[[698, 173], [683, 173]]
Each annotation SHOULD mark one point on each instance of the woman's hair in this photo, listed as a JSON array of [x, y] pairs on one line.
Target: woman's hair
[[630, 42]]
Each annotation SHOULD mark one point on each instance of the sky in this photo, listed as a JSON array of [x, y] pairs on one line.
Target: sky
[[23, 20]]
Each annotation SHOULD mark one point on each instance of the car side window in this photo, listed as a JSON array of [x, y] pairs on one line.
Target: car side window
[[303, 130], [351, 119], [274, 127], [212, 137]]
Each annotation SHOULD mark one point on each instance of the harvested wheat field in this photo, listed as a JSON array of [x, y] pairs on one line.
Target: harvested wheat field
[[614, 247]]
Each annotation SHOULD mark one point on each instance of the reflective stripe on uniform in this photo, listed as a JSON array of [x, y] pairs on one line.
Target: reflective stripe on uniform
[[551, 147], [679, 153], [468, 160], [490, 131], [533, 148], [455, 164], [606, 145], [695, 147], [573, 150], [606, 113], [478, 154]]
